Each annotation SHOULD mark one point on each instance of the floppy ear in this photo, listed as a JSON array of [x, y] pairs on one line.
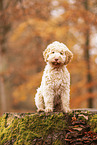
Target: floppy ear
[[69, 56], [46, 54]]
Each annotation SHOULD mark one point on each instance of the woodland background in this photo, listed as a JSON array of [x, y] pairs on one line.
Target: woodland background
[[26, 28]]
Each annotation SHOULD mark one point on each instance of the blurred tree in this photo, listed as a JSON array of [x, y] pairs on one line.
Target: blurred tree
[[4, 29], [87, 56]]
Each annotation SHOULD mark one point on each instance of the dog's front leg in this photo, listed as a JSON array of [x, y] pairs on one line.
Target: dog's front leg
[[65, 97], [39, 100], [48, 99]]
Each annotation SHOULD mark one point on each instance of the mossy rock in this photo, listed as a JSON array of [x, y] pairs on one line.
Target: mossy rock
[[43, 128]]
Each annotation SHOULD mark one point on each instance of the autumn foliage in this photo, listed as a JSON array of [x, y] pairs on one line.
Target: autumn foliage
[[26, 28]]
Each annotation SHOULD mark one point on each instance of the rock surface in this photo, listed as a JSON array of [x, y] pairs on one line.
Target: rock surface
[[57, 128]]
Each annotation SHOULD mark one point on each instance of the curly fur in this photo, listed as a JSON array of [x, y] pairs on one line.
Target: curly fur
[[55, 82]]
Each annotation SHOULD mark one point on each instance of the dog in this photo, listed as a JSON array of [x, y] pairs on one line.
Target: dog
[[54, 91]]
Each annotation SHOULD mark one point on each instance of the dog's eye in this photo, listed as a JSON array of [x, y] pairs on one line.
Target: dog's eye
[[53, 52], [61, 53]]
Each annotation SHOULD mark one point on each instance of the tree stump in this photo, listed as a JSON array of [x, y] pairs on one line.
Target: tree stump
[[57, 128]]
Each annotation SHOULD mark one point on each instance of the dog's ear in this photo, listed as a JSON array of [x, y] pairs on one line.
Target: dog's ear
[[69, 56], [46, 54]]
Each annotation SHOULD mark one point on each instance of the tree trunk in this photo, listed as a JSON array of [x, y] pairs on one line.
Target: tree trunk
[[3, 96], [87, 59], [2, 50], [54, 128]]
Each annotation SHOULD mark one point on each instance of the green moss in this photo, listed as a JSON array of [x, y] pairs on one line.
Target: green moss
[[57, 142], [24, 129], [93, 123]]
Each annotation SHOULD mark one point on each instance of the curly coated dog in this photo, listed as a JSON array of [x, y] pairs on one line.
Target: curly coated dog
[[54, 91]]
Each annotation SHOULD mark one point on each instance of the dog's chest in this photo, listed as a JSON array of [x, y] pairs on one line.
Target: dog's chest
[[57, 78]]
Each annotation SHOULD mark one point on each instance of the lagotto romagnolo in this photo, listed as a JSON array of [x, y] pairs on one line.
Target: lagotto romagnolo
[[56, 78]]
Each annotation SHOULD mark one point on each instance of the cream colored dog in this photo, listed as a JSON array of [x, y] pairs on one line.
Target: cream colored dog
[[56, 79]]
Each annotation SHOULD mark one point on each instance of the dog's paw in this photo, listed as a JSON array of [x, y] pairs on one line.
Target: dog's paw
[[49, 110], [40, 110], [67, 110]]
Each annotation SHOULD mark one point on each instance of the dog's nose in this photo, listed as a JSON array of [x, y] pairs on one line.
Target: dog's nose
[[56, 59]]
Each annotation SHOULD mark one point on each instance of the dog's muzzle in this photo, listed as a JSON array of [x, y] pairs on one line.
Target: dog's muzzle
[[56, 62]]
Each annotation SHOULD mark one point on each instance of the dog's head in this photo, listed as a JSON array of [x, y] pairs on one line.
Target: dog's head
[[57, 54]]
